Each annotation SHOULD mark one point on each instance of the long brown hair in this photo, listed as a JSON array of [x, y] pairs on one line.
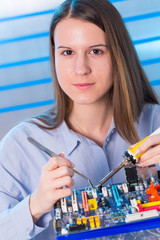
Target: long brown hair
[[131, 88]]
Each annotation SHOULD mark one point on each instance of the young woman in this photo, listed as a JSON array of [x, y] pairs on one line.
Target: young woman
[[103, 104]]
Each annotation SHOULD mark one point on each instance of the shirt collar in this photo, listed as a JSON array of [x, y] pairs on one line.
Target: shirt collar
[[71, 139]]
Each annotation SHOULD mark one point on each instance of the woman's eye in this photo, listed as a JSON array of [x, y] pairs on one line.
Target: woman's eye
[[96, 51], [67, 52]]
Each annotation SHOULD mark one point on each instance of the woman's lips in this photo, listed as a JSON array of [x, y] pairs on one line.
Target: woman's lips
[[83, 86]]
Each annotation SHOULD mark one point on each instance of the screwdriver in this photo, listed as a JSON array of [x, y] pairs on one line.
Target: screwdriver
[[52, 154], [128, 158]]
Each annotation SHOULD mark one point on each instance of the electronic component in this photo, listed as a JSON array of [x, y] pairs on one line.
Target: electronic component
[[85, 201], [105, 192], [92, 204], [114, 205], [94, 193], [97, 221], [153, 172], [91, 221], [143, 173], [139, 216], [58, 220], [74, 201], [131, 174], [125, 187], [117, 198], [64, 205]]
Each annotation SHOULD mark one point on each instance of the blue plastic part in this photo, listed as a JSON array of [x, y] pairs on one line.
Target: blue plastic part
[[117, 198], [120, 229]]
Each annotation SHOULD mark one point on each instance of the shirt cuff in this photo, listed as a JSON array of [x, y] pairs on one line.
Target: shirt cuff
[[23, 222]]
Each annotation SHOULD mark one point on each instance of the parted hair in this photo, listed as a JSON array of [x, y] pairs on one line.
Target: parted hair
[[131, 89]]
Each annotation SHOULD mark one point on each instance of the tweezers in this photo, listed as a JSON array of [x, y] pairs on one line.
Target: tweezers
[[52, 154]]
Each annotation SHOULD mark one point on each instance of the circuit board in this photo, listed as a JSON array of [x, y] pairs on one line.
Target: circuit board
[[108, 206]]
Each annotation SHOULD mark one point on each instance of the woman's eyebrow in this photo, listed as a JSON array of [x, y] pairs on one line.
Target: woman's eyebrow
[[63, 47], [98, 45]]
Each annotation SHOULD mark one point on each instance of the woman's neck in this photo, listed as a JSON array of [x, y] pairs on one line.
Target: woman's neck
[[92, 121]]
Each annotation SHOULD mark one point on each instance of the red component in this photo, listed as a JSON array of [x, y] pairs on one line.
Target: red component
[[85, 201], [152, 190], [143, 209]]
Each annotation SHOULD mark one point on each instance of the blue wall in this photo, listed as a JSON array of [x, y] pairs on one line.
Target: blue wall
[[25, 78]]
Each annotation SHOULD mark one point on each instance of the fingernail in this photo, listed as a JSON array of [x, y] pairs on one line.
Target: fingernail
[[61, 154], [73, 165]]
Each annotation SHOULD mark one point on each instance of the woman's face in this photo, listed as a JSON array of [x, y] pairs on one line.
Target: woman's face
[[82, 61]]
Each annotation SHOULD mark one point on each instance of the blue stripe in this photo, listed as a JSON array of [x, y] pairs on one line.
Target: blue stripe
[[150, 61], [146, 40], [26, 84], [30, 61], [46, 34], [27, 15], [45, 59], [155, 83], [10, 40], [113, 1], [26, 106], [51, 11], [141, 17]]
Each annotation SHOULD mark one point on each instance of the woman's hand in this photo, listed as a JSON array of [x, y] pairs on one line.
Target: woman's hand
[[56, 174], [151, 149]]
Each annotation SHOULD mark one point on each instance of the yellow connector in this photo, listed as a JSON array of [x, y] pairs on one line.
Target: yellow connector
[[93, 204], [97, 221], [84, 220], [79, 221], [149, 204], [91, 221]]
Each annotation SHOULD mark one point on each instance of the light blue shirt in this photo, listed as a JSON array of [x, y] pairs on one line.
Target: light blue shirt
[[21, 164]]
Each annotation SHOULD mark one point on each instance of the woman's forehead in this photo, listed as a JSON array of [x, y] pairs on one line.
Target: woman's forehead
[[78, 31]]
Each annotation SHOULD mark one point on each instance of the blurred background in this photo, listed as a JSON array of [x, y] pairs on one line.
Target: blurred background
[[25, 76]]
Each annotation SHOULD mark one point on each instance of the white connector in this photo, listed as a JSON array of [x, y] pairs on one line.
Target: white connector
[[94, 193], [74, 202], [141, 215], [64, 205], [105, 192]]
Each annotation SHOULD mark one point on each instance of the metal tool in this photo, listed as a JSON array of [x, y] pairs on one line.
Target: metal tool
[[52, 154], [128, 158]]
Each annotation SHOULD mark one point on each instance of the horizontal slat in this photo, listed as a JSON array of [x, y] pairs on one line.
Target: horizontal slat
[[25, 26], [21, 51], [152, 71], [10, 8], [25, 84], [26, 95], [29, 61], [135, 8], [25, 73], [144, 29], [26, 106], [148, 50]]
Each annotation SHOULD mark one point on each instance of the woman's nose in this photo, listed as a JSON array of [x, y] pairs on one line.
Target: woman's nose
[[82, 65]]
